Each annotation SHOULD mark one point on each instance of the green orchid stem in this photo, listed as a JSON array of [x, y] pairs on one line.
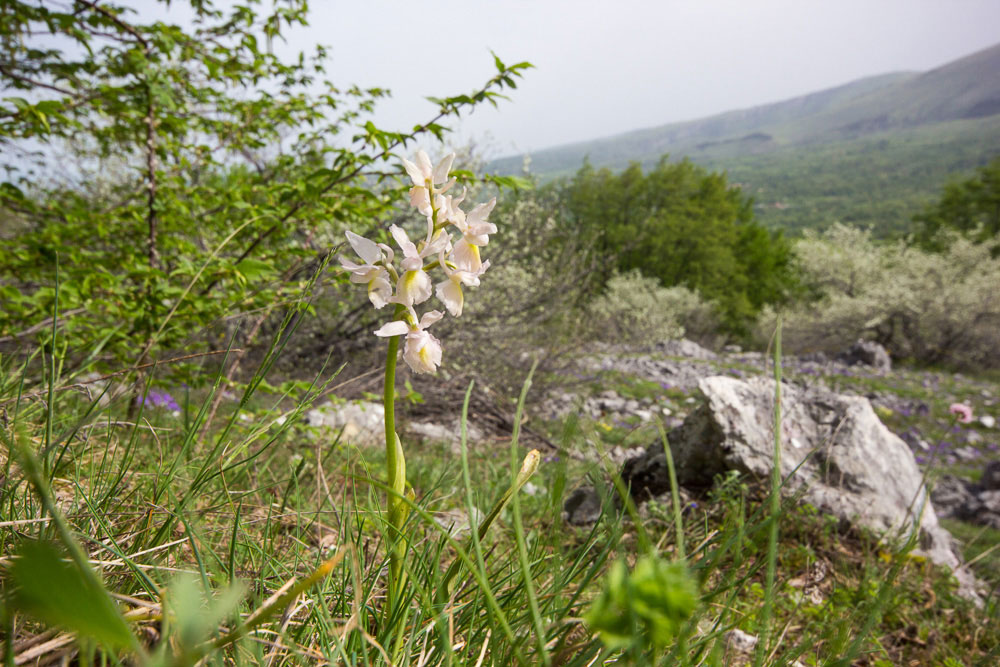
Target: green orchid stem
[[396, 464]]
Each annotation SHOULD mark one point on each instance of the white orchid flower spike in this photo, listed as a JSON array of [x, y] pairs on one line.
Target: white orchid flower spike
[[372, 272], [408, 283], [422, 351]]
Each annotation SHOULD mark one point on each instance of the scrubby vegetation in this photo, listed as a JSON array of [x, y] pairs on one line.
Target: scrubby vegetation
[[923, 306], [171, 313]]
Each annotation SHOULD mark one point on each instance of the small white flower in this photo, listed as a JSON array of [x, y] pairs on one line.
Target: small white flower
[[425, 176], [450, 291], [414, 285], [372, 273], [422, 351], [475, 230]]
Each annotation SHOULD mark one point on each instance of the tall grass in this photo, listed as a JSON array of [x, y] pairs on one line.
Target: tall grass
[[264, 541]]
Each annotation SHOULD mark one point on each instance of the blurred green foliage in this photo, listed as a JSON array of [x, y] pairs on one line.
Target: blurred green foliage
[[178, 175], [686, 226], [970, 206]]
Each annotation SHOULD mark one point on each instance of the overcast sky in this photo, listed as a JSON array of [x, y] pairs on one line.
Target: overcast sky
[[609, 67]]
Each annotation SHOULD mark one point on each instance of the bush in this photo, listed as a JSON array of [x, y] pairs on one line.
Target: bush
[[637, 309], [684, 226], [936, 308]]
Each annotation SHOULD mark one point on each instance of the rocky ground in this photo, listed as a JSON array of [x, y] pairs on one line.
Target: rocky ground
[[892, 429]]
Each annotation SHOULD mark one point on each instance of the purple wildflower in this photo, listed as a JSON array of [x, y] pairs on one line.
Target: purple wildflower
[[159, 399]]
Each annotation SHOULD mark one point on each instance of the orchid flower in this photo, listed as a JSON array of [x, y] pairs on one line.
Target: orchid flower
[[373, 272], [414, 285], [450, 291], [475, 230], [422, 352], [425, 176]]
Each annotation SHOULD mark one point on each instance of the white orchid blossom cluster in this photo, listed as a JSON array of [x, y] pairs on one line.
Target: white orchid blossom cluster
[[411, 285]]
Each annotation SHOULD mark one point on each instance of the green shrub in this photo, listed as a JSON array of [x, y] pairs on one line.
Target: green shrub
[[925, 306]]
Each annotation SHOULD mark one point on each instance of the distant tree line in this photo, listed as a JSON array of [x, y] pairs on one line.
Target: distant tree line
[[681, 225]]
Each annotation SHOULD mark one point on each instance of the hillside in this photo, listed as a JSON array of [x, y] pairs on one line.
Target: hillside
[[870, 152]]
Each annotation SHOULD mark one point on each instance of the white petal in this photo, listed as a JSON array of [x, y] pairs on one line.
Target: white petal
[[349, 265], [482, 228], [480, 213], [414, 172], [468, 278], [413, 287], [430, 317], [366, 249], [412, 264], [451, 296], [444, 166], [437, 245], [379, 290], [397, 328], [424, 163], [389, 254], [409, 250], [420, 199], [422, 352], [466, 256]]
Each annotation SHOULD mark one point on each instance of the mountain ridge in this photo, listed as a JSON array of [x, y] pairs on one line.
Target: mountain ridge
[[968, 87], [872, 152]]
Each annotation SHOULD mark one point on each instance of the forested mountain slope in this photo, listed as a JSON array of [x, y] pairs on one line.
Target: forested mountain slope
[[870, 152]]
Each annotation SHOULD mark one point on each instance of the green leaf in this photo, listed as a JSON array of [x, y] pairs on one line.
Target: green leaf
[[56, 592], [253, 268]]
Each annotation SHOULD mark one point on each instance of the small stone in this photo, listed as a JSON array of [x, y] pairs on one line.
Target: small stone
[[739, 641], [867, 353], [990, 480], [583, 507], [967, 454]]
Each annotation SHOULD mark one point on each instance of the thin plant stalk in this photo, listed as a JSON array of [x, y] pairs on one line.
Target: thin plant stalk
[[396, 464], [522, 549], [675, 496], [764, 627]]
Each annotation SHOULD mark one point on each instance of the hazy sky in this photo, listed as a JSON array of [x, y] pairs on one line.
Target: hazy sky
[[609, 67]]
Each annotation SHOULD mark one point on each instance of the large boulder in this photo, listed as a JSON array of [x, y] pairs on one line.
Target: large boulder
[[835, 455]]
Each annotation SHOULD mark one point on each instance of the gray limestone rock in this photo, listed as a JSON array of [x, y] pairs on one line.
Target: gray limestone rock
[[583, 507], [361, 422], [991, 476], [867, 353], [847, 463], [685, 348]]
